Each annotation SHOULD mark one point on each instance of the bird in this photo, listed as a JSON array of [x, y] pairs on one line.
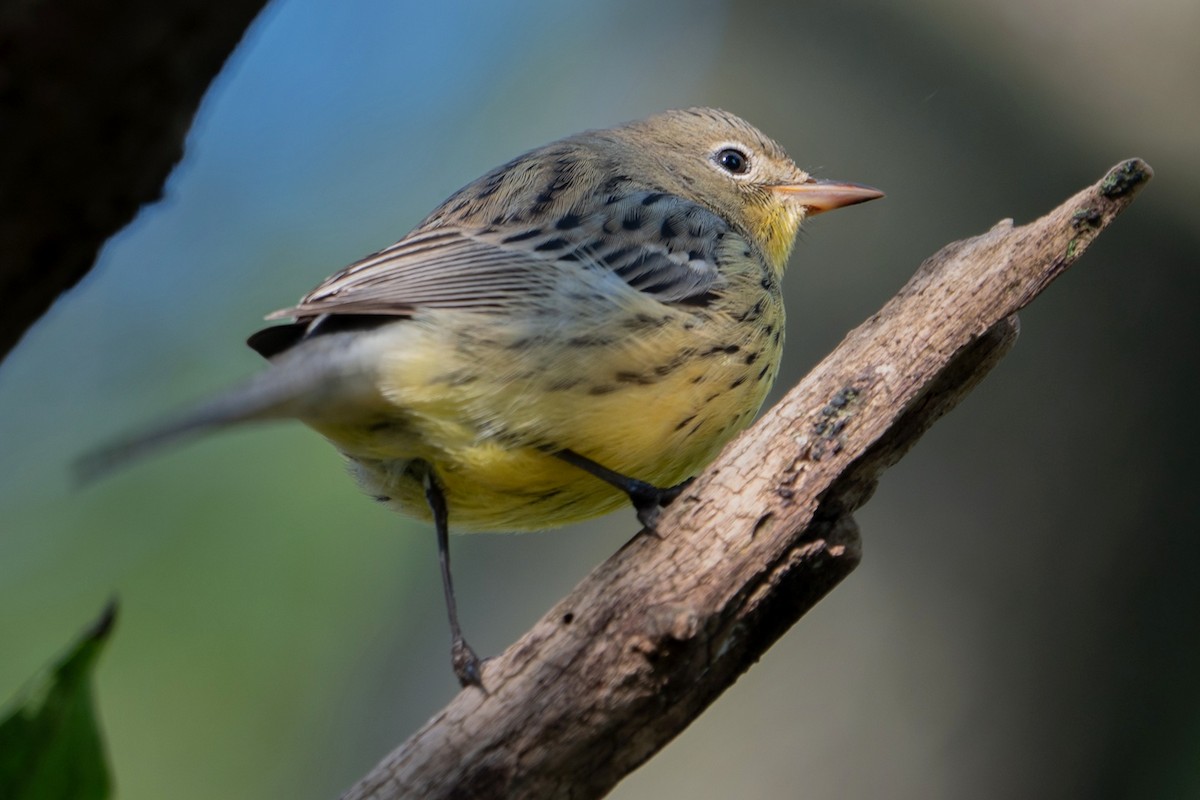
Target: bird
[[584, 326]]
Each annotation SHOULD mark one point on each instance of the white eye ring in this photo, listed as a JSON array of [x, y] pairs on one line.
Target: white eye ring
[[733, 160]]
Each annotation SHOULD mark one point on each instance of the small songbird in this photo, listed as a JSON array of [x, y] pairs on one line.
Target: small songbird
[[588, 323]]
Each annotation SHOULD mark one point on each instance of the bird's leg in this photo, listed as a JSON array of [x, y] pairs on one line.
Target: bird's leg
[[647, 498], [462, 657]]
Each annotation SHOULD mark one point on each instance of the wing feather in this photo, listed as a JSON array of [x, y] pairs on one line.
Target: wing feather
[[660, 245]]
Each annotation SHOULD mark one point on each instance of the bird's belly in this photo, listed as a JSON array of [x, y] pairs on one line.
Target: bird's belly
[[657, 411]]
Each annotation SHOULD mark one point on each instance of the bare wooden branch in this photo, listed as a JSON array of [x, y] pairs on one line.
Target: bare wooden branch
[[656, 633]]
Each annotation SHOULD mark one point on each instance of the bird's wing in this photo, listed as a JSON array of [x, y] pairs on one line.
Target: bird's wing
[[661, 245]]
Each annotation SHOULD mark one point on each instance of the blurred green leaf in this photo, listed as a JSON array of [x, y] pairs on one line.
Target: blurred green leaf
[[50, 743]]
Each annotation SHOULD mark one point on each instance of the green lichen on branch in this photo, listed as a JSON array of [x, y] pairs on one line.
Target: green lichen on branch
[[1125, 177]]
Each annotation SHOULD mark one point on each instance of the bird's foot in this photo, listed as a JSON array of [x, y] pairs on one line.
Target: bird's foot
[[649, 501], [468, 667]]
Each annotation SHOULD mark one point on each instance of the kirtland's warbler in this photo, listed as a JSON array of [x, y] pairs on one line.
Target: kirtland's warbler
[[587, 323]]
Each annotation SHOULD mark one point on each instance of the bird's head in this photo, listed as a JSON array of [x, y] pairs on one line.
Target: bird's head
[[723, 162]]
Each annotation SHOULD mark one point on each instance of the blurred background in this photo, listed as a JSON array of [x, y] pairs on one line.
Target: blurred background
[[1026, 621]]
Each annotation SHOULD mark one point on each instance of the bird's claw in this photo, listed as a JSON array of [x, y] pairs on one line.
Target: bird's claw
[[467, 666], [649, 501]]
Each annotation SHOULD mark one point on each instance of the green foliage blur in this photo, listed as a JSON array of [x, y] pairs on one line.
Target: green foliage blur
[[51, 744]]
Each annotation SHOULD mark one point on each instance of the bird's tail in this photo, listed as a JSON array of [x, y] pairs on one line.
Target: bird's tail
[[301, 385]]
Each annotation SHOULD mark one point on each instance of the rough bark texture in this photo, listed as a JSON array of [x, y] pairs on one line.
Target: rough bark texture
[[656, 633], [95, 101]]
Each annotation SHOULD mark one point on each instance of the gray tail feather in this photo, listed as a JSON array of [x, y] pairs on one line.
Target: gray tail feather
[[274, 393]]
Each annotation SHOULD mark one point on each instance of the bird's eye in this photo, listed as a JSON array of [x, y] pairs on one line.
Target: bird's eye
[[733, 161]]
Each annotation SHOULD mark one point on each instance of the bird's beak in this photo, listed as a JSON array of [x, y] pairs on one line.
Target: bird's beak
[[818, 196]]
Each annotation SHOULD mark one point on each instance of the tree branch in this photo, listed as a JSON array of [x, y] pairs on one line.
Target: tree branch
[[95, 101], [642, 646]]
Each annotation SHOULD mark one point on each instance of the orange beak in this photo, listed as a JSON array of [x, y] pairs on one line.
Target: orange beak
[[818, 196]]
